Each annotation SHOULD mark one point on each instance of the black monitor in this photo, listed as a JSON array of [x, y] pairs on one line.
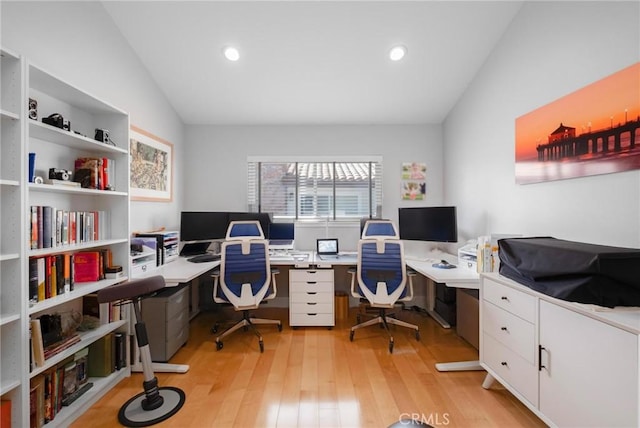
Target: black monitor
[[435, 224], [281, 231], [203, 225], [263, 218]]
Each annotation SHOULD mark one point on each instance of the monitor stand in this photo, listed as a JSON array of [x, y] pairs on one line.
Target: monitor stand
[[194, 248]]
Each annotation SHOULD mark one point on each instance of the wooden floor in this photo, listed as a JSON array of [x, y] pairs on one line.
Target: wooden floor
[[316, 377]]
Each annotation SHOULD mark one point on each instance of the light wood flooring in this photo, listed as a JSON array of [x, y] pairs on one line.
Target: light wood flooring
[[316, 377]]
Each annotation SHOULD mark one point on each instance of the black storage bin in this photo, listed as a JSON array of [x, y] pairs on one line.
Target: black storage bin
[[573, 271]]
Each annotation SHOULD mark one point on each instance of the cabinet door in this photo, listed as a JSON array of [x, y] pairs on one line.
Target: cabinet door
[[591, 371]]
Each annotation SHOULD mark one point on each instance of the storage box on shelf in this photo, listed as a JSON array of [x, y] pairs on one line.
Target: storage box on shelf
[[13, 347], [167, 243], [99, 215], [143, 256]]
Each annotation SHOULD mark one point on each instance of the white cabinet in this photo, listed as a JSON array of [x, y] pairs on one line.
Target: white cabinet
[[589, 373], [23, 133], [13, 348], [571, 365], [311, 297]]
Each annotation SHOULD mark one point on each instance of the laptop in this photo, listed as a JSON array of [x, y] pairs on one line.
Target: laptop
[[281, 236], [327, 248]]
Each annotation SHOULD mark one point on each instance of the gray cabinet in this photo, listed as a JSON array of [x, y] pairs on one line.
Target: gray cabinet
[[166, 316]]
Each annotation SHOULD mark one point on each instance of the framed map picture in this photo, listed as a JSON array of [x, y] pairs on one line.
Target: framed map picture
[[151, 167]]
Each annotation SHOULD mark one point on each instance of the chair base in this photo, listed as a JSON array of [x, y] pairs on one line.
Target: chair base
[[134, 414], [385, 319], [245, 323]]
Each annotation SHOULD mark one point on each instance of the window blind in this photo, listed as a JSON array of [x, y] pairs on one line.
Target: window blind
[[315, 189]]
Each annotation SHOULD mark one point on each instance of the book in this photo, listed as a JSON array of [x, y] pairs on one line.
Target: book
[[88, 172], [120, 350], [86, 266], [101, 357], [59, 262], [5, 413], [60, 346], [37, 343], [66, 275], [80, 358], [47, 237], [61, 182], [36, 402], [33, 281], [34, 226], [41, 278]]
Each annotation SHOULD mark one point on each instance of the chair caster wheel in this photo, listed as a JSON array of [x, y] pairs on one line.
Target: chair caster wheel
[[261, 346], [219, 346], [214, 329], [391, 347], [351, 333], [279, 327], [417, 335]]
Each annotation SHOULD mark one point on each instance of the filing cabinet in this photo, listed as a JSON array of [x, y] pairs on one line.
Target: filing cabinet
[[311, 300], [166, 316]]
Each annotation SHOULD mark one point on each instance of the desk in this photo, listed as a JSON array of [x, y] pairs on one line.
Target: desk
[[456, 278]]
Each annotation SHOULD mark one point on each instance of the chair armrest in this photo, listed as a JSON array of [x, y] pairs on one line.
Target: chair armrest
[[354, 288]]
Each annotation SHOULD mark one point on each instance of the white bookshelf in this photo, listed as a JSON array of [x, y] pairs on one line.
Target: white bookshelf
[[14, 384], [54, 148]]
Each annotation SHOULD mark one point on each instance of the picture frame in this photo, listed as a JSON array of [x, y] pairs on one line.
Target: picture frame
[[151, 170]]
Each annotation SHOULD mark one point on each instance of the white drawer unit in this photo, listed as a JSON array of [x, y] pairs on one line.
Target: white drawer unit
[[311, 300], [571, 365]]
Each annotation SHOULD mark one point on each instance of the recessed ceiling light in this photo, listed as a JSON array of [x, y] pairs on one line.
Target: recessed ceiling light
[[231, 53], [397, 53]]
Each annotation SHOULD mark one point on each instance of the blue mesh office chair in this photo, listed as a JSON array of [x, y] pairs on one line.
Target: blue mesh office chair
[[382, 276], [245, 277]]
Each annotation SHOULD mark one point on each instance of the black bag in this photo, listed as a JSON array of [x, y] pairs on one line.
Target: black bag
[[573, 271]]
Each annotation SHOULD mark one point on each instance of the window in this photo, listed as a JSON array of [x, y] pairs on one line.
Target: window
[[315, 190]]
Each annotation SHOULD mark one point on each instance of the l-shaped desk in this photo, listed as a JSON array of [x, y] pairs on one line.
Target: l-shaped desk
[[182, 271]]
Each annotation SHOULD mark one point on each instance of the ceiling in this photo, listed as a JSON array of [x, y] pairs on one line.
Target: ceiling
[[312, 62]]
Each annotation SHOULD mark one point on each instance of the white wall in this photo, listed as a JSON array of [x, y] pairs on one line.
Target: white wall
[[78, 43], [550, 50], [216, 176]]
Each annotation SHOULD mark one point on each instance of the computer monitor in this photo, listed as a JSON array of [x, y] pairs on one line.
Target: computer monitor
[[203, 225], [263, 218], [435, 224], [278, 231]]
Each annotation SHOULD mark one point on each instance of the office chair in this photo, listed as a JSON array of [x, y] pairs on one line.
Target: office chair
[[155, 404], [382, 276], [245, 277]]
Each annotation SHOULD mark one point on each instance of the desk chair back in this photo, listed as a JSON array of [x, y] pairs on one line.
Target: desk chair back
[[381, 271], [245, 271]]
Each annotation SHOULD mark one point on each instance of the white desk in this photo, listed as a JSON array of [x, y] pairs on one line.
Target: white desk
[[181, 270], [456, 278]]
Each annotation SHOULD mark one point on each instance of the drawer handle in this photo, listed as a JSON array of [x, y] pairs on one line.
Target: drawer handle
[[312, 315], [312, 292], [503, 328], [504, 363], [312, 303], [540, 365], [311, 282], [504, 298]]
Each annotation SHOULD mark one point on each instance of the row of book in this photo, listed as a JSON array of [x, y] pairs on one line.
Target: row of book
[[47, 339], [50, 276], [51, 227], [62, 384], [94, 173]]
